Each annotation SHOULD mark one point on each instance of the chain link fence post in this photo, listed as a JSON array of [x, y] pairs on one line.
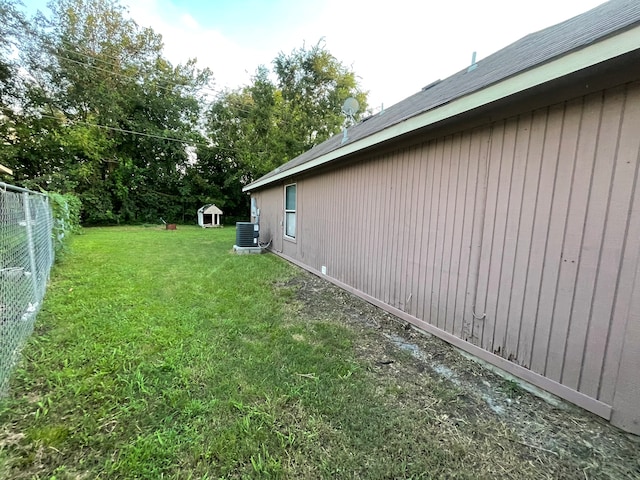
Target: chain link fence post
[[26, 258]]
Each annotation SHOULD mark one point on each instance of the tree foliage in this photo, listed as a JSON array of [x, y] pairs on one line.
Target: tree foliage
[[91, 107], [282, 113], [94, 77]]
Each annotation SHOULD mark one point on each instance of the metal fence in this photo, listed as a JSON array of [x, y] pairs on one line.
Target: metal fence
[[26, 257]]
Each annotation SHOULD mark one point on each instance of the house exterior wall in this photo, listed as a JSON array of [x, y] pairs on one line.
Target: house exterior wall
[[518, 241]]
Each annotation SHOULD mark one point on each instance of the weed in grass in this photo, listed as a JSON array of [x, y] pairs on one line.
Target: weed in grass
[[512, 389], [49, 435], [264, 464]]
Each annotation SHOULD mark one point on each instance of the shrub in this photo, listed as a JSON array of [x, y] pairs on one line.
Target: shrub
[[66, 217]]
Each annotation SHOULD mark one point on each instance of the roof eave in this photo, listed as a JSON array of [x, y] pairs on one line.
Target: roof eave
[[606, 49]]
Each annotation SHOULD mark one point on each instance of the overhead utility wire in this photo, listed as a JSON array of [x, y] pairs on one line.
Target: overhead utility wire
[[86, 55], [88, 65], [236, 108], [144, 134], [162, 87], [112, 57], [133, 132], [213, 91], [71, 44], [92, 57]]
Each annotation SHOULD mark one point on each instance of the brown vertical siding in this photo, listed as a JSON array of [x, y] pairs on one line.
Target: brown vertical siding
[[621, 217], [423, 225], [465, 285], [603, 269], [484, 323], [546, 178], [270, 204], [526, 271], [405, 281], [579, 259], [521, 221], [626, 413], [476, 320], [451, 160], [436, 235], [499, 242], [519, 237]]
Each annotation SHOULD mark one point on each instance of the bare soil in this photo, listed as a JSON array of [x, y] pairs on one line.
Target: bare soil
[[494, 415]]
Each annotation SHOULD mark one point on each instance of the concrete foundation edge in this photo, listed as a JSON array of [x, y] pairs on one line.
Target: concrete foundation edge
[[247, 250], [590, 404]]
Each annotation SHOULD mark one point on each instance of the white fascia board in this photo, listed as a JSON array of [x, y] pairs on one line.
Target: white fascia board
[[593, 54]]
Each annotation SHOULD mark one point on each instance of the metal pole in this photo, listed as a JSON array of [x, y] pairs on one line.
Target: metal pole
[[13, 188], [50, 250], [30, 246]]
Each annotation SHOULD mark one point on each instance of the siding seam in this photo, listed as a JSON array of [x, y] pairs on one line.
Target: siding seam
[[501, 287], [564, 239], [546, 245], [533, 231], [580, 250], [622, 255], [515, 254]]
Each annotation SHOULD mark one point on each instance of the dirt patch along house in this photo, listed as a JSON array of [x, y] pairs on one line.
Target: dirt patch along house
[[496, 208]]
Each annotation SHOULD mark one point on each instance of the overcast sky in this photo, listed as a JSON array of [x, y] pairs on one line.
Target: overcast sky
[[395, 47]]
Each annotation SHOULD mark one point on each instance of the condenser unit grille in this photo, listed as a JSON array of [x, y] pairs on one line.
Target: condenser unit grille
[[247, 234]]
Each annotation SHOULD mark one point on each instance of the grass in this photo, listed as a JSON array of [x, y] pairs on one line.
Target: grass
[[159, 354]]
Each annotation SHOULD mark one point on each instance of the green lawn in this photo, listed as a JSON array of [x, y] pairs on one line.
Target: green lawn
[[160, 354]]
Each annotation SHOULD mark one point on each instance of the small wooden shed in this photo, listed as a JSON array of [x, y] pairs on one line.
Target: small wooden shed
[[209, 216]]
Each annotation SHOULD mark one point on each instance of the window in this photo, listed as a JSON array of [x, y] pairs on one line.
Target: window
[[290, 211]]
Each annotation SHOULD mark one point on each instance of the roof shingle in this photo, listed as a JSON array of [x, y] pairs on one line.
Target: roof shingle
[[530, 51]]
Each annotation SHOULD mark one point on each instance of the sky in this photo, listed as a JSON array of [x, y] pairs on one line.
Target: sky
[[395, 47]]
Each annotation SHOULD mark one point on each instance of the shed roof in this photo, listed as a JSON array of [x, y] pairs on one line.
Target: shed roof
[[606, 31], [211, 210]]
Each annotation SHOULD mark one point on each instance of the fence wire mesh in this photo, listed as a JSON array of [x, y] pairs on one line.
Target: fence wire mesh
[[26, 257]]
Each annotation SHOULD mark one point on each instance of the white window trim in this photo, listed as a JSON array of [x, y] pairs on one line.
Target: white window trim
[[294, 211]]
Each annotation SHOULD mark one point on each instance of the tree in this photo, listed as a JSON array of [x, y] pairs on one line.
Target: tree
[[314, 85], [12, 27], [105, 115], [263, 125], [93, 108]]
